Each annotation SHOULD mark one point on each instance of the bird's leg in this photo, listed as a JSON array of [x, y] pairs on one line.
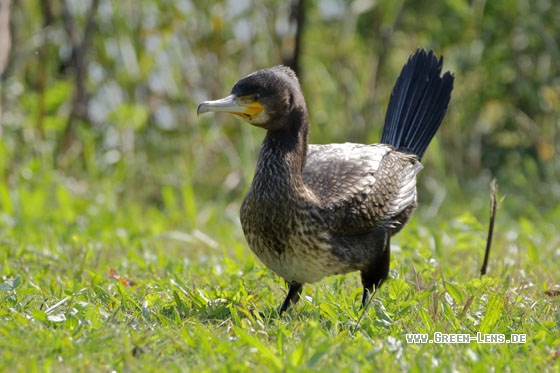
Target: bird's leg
[[365, 295], [378, 269], [294, 292]]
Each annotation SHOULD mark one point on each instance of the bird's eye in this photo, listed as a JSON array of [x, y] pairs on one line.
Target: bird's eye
[[256, 97]]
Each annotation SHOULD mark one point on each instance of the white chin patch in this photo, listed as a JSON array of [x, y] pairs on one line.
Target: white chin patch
[[260, 119]]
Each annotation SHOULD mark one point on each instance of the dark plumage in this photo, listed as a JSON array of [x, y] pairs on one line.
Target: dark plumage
[[319, 210]]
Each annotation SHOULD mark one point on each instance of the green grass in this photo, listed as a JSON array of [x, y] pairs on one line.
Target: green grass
[[94, 280], [130, 257]]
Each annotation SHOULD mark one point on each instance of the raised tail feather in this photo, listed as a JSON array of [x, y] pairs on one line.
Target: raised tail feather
[[418, 103]]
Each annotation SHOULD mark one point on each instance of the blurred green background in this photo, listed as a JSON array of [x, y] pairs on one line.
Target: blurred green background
[[98, 99]]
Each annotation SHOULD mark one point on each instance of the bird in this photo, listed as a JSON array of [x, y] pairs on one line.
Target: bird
[[313, 211]]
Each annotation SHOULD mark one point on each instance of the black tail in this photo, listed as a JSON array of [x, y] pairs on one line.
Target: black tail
[[418, 103]]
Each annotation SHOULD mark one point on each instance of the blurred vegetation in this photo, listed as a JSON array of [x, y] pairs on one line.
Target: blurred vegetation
[[107, 90]]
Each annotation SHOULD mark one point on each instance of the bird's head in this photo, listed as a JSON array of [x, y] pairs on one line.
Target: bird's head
[[263, 98]]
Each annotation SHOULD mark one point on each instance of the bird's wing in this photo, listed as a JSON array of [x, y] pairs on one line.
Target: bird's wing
[[361, 186]]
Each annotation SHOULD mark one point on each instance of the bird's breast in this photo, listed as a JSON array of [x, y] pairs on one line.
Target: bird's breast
[[289, 238]]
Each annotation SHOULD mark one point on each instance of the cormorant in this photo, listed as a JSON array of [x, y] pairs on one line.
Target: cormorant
[[319, 210]]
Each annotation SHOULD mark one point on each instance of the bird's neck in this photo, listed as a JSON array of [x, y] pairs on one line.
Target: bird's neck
[[282, 156]]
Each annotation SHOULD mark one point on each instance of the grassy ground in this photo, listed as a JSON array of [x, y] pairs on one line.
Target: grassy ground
[[94, 281], [129, 256]]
